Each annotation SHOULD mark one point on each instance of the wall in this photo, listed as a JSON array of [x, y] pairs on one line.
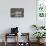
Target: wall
[[24, 23]]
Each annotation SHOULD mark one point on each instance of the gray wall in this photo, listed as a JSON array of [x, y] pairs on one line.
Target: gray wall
[[24, 24]]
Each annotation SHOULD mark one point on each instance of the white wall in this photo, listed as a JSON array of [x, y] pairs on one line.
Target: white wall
[[23, 23]]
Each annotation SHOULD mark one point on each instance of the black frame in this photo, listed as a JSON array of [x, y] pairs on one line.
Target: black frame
[[14, 10]]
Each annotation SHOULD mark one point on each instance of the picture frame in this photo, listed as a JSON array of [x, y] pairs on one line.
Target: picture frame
[[17, 12], [41, 12], [41, 8]]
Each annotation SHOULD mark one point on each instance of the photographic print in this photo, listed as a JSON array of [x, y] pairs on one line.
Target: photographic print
[[17, 12]]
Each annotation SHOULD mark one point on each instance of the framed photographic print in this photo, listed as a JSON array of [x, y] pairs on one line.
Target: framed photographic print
[[17, 12], [41, 8], [41, 12]]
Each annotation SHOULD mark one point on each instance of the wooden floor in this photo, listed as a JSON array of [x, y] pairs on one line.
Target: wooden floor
[[13, 44]]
